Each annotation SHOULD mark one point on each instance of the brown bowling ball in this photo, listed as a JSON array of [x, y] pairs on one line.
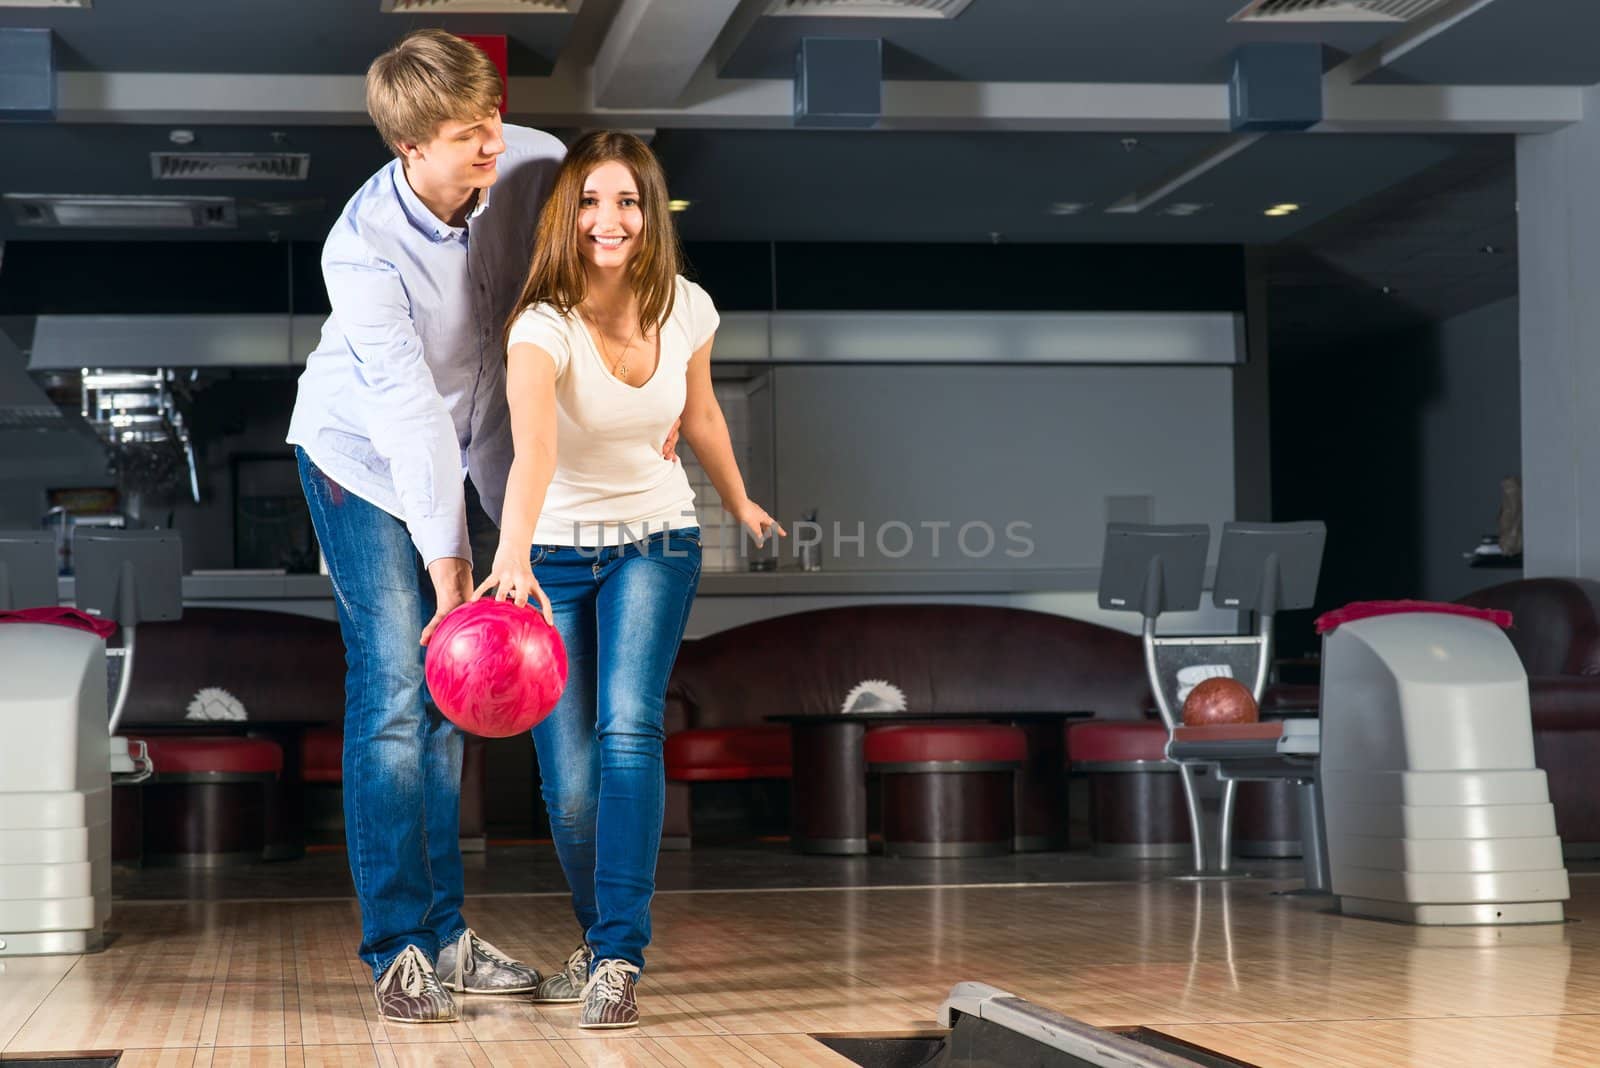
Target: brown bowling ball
[[1219, 701]]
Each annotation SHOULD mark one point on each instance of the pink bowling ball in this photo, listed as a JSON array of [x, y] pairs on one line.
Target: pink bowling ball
[[495, 669]]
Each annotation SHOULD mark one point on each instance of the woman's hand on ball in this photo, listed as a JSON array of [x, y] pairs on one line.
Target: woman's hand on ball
[[512, 579]]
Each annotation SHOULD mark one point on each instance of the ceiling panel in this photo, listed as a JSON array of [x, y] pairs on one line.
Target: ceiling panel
[[1422, 239], [849, 186], [1510, 42], [963, 187], [1323, 174], [809, 185]]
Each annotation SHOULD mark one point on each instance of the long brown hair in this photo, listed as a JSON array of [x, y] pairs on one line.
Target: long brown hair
[[557, 274]]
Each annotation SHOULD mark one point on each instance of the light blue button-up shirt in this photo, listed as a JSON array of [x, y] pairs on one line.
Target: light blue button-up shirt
[[405, 393]]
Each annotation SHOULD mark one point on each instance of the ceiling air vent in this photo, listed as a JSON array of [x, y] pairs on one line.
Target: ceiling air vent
[[480, 7], [251, 166], [66, 211], [1336, 10], [870, 9]]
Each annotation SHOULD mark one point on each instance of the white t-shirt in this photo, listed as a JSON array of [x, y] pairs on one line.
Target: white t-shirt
[[611, 483]]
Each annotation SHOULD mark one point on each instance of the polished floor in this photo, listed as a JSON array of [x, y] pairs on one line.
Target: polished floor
[[532, 868], [746, 976]]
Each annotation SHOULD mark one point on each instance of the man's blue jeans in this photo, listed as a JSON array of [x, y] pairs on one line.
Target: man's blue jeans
[[621, 611], [402, 759]]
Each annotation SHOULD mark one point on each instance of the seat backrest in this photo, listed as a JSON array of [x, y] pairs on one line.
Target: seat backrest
[[278, 665], [946, 657], [1555, 622]]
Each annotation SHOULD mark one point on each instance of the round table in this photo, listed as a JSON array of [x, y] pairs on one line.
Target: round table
[[828, 792]]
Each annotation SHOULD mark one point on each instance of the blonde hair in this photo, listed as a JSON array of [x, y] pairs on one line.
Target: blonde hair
[[428, 78], [557, 275]]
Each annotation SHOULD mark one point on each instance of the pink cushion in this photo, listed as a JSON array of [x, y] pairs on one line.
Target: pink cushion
[[1330, 621]]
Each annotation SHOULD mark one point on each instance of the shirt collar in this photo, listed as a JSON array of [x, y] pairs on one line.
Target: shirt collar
[[423, 219]]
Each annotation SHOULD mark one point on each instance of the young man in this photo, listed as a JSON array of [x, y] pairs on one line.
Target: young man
[[404, 393]]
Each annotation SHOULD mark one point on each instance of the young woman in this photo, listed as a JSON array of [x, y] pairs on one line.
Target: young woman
[[607, 346]]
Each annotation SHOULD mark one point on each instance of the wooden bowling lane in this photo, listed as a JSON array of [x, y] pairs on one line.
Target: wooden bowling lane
[[739, 978], [1560, 1041]]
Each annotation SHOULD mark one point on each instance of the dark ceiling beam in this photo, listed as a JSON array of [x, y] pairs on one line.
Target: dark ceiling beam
[[584, 41]]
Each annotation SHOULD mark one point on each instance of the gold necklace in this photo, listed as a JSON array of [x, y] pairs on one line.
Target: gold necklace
[[619, 370]]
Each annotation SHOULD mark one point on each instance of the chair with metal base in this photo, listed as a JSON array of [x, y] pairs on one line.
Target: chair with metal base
[[1262, 568]]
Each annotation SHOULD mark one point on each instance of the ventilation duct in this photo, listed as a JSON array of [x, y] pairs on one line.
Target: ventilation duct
[[1336, 10], [224, 166]]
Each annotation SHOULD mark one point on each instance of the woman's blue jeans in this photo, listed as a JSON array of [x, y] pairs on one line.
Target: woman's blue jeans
[[402, 759], [621, 611]]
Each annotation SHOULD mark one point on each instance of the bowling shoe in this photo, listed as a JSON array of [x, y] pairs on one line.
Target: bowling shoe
[[409, 991], [608, 1000], [566, 986], [469, 965]]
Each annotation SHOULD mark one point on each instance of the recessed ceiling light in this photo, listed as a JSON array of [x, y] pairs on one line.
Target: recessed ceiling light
[[1490, 250], [181, 137], [1066, 207], [678, 205], [1278, 211]]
